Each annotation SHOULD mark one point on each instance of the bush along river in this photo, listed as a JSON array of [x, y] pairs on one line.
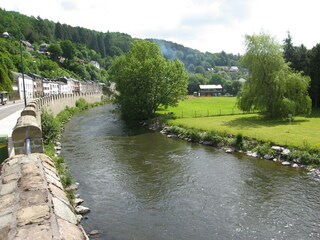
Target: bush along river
[[140, 184]]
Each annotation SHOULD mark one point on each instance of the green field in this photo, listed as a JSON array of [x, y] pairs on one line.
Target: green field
[[204, 107], [301, 132]]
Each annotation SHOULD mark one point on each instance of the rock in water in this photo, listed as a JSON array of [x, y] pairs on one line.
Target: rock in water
[[95, 233], [286, 163], [82, 210]]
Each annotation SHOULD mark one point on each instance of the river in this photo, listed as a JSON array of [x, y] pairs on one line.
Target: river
[[141, 185]]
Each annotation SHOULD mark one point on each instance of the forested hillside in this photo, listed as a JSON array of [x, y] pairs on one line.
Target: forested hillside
[[71, 49]]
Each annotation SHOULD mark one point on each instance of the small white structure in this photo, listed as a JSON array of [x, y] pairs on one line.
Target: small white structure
[[5, 35], [233, 69], [95, 63], [210, 90]]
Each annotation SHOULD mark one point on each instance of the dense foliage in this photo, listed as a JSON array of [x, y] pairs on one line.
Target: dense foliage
[[307, 62], [145, 80], [272, 87], [50, 127], [72, 48]]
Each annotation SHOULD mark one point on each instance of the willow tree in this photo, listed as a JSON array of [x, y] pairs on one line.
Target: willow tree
[[145, 80], [272, 87]]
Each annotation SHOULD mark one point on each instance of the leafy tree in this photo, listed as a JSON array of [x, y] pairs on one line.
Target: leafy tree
[[6, 77], [236, 87], [194, 81], [55, 51], [272, 87], [218, 78], [68, 49], [145, 80], [58, 31], [199, 69]]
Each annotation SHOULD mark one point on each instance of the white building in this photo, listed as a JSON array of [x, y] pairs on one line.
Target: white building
[[54, 88], [68, 88], [63, 88], [18, 86], [46, 87]]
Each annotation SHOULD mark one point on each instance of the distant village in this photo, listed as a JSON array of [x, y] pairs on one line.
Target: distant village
[[37, 86]]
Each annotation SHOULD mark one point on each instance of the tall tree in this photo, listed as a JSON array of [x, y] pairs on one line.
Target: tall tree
[[58, 31], [272, 87], [55, 51], [315, 75], [289, 49], [68, 49], [145, 80]]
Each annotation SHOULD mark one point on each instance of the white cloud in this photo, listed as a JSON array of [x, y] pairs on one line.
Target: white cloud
[[207, 25]]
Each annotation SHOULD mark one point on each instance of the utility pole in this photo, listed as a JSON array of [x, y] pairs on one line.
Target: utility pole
[[22, 69]]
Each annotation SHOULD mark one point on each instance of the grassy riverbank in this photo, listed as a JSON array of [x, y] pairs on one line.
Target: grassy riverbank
[[302, 132], [249, 132]]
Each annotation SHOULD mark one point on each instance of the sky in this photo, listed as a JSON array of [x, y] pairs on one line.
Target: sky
[[206, 25]]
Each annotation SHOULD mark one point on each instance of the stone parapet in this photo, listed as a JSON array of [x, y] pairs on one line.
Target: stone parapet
[[27, 127], [33, 204], [29, 110]]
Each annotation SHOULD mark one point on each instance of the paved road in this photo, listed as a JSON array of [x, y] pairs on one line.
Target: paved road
[[10, 108], [9, 114]]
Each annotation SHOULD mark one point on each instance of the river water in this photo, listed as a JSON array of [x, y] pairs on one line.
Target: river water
[[141, 185]]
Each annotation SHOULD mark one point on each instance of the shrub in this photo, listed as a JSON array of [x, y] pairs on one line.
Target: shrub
[[305, 157], [239, 141], [193, 134], [50, 127], [263, 149], [82, 104], [214, 137]]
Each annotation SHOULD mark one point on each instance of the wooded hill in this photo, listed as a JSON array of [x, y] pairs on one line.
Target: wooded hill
[[73, 48]]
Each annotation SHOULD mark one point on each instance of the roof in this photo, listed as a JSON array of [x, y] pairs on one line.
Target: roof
[[210, 86]]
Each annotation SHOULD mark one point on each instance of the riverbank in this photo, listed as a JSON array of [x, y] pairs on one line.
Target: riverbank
[[139, 184], [53, 128], [287, 156]]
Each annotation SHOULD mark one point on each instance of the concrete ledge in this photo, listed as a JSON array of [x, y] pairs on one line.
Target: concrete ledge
[[29, 110], [29, 208], [27, 127]]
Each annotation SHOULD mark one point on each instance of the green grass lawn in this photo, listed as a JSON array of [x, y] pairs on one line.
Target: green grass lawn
[[302, 132], [204, 107]]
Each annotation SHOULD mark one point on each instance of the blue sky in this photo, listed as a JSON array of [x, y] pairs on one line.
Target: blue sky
[[206, 25]]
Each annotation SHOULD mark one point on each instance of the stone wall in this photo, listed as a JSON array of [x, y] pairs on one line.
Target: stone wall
[[33, 204], [57, 103], [29, 124]]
